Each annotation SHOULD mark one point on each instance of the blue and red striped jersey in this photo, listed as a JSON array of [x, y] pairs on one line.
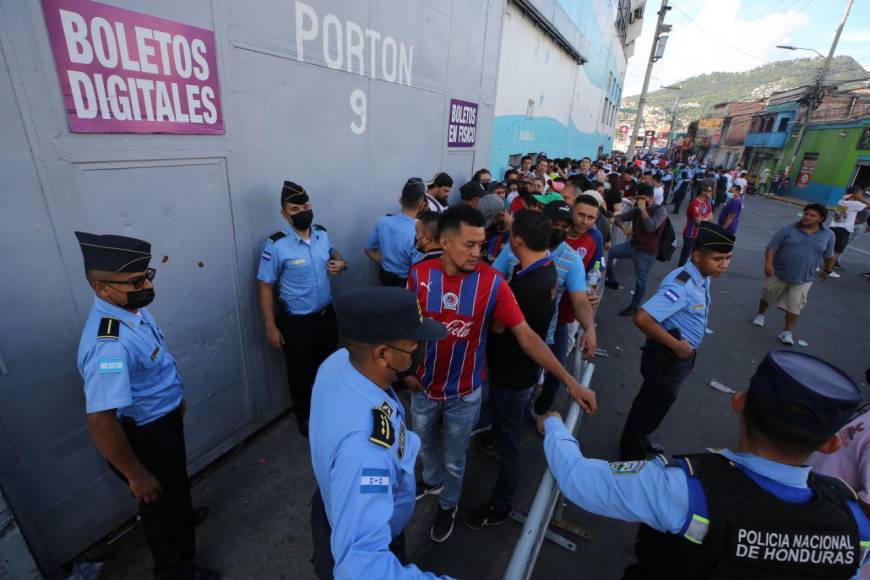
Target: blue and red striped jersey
[[467, 303]]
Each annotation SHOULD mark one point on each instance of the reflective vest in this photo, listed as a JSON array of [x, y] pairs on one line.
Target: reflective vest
[[739, 530]]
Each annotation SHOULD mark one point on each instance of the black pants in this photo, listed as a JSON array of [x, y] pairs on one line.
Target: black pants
[[390, 279], [663, 372], [679, 196], [308, 340], [321, 533], [507, 408], [167, 521]]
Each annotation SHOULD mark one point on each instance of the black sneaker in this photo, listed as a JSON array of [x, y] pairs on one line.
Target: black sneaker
[[424, 489], [628, 311], [612, 284], [866, 275], [443, 526], [483, 517], [838, 267]]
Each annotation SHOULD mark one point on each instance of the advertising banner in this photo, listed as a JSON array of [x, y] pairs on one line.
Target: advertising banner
[[462, 124], [805, 175], [126, 72]]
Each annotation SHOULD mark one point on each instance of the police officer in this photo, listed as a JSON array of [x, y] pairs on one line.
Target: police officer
[[391, 244], [753, 512], [362, 452], [299, 260], [135, 401], [674, 321]]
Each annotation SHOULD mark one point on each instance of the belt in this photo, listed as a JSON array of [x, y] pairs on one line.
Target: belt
[[318, 314]]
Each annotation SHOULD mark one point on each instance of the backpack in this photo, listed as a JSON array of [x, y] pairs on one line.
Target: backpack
[[667, 242]]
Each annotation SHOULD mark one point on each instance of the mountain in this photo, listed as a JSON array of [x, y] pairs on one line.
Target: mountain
[[700, 93]]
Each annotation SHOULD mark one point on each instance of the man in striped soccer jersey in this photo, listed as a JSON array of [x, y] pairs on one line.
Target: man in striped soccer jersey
[[467, 296]]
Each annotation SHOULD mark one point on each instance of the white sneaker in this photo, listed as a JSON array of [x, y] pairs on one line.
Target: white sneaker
[[785, 337], [758, 320], [834, 275]]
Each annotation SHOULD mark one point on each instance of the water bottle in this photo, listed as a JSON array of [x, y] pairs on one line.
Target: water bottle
[[594, 277]]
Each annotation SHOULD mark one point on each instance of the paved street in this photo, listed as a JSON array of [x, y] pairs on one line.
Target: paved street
[[259, 493]]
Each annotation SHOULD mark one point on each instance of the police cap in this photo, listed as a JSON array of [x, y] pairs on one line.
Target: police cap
[[715, 238], [111, 253], [293, 193], [804, 391], [377, 315]]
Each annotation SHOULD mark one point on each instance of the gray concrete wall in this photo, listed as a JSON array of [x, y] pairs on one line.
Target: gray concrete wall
[[206, 203]]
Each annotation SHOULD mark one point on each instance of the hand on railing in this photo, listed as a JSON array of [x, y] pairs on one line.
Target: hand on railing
[[584, 396]]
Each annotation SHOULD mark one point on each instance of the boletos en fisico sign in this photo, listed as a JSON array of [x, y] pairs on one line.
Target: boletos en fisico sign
[[126, 72]]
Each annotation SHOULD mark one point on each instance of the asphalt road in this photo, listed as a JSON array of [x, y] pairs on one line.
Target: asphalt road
[[259, 493]]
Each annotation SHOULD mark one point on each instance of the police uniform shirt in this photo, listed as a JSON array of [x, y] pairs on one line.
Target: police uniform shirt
[[682, 301], [394, 236], [659, 495], [363, 458], [299, 268], [125, 364]]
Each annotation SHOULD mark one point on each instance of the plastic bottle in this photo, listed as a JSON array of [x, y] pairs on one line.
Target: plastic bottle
[[593, 278]]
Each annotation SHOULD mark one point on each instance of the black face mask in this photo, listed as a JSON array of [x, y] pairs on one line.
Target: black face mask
[[139, 298], [416, 359], [557, 237], [302, 220]]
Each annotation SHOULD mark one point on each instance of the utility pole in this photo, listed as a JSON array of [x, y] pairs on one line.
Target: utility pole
[[655, 53], [676, 88], [814, 99]]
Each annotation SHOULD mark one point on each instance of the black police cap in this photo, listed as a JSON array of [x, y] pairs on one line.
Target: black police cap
[[293, 193], [377, 315], [805, 391], [715, 238], [111, 253]]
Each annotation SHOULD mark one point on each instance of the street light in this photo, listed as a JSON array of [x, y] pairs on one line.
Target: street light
[[790, 47]]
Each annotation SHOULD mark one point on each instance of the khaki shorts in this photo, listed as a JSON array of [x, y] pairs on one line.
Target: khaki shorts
[[785, 295]]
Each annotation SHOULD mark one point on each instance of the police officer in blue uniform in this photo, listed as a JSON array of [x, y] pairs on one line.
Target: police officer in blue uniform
[[299, 260], [392, 242], [674, 321], [362, 453], [135, 401], [753, 512]]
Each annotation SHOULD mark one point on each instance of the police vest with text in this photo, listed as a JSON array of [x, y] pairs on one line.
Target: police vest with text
[[737, 529]]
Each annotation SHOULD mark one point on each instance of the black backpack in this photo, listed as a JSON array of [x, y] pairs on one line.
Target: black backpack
[[667, 242]]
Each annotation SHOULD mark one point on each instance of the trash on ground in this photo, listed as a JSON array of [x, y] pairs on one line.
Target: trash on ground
[[803, 343], [708, 331], [618, 348], [720, 387]]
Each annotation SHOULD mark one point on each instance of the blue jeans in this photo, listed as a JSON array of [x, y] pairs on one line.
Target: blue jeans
[[507, 408], [643, 262], [445, 464], [563, 338]]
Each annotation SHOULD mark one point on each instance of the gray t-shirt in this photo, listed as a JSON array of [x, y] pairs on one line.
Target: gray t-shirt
[[799, 254]]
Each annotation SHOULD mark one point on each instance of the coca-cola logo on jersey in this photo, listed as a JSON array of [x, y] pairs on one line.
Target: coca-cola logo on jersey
[[459, 328]]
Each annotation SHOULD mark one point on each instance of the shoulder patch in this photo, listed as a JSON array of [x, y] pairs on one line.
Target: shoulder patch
[[277, 236], [683, 277], [374, 480], [319, 227], [626, 467], [382, 429], [110, 328]]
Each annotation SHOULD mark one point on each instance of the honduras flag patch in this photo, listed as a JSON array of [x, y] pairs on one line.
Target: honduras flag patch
[[672, 296], [374, 481], [266, 255]]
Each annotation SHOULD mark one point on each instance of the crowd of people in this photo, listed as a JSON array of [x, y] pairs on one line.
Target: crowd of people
[[482, 297]]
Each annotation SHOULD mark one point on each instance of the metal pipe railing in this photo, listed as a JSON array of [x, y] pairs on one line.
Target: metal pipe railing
[[528, 546]]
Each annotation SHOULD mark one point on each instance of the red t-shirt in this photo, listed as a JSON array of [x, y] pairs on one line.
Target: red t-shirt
[[466, 304], [586, 247], [517, 204], [698, 208]]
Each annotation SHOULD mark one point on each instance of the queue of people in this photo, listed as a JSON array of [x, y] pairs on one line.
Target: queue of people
[[479, 306]]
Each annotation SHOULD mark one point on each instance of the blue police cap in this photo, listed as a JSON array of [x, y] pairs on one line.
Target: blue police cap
[[805, 391], [111, 253], [377, 315]]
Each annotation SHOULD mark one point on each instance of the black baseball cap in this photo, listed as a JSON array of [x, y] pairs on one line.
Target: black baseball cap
[[441, 179], [471, 190], [558, 210], [378, 315]]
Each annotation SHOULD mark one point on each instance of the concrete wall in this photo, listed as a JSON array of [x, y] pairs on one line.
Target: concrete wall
[[838, 155], [207, 203], [545, 100]]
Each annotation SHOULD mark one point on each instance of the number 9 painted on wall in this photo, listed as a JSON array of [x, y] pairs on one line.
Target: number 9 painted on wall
[[359, 105]]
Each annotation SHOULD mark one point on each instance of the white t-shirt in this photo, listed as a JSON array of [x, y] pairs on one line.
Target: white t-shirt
[[658, 195], [741, 182], [845, 214], [433, 204]]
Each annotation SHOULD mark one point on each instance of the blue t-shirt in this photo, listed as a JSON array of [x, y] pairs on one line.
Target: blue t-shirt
[[733, 207], [799, 254], [394, 236]]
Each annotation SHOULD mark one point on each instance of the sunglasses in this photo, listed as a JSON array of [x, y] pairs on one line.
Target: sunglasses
[[136, 282]]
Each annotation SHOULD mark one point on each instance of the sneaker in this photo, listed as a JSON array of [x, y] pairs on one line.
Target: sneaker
[[866, 275], [483, 517], [443, 526], [834, 275], [758, 320], [838, 267], [786, 338], [629, 310], [424, 489]]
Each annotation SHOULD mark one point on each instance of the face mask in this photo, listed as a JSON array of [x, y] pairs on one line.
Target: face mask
[[729, 195], [139, 298], [416, 359], [302, 220], [557, 237]]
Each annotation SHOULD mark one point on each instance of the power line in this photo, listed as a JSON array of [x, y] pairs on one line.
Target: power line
[[729, 45]]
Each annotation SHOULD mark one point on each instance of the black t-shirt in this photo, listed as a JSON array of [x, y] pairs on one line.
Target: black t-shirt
[[535, 291]]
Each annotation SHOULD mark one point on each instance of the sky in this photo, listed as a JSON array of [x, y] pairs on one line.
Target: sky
[[738, 35]]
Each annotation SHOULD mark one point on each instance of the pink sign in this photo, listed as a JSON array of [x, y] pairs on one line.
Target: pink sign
[[127, 72]]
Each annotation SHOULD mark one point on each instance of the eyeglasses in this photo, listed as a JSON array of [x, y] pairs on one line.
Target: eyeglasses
[[136, 282], [408, 352]]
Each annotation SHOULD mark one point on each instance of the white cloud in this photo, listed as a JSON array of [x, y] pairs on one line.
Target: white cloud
[[722, 41]]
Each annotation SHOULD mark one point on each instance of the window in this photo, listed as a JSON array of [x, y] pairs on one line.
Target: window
[[605, 109], [783, 125]]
